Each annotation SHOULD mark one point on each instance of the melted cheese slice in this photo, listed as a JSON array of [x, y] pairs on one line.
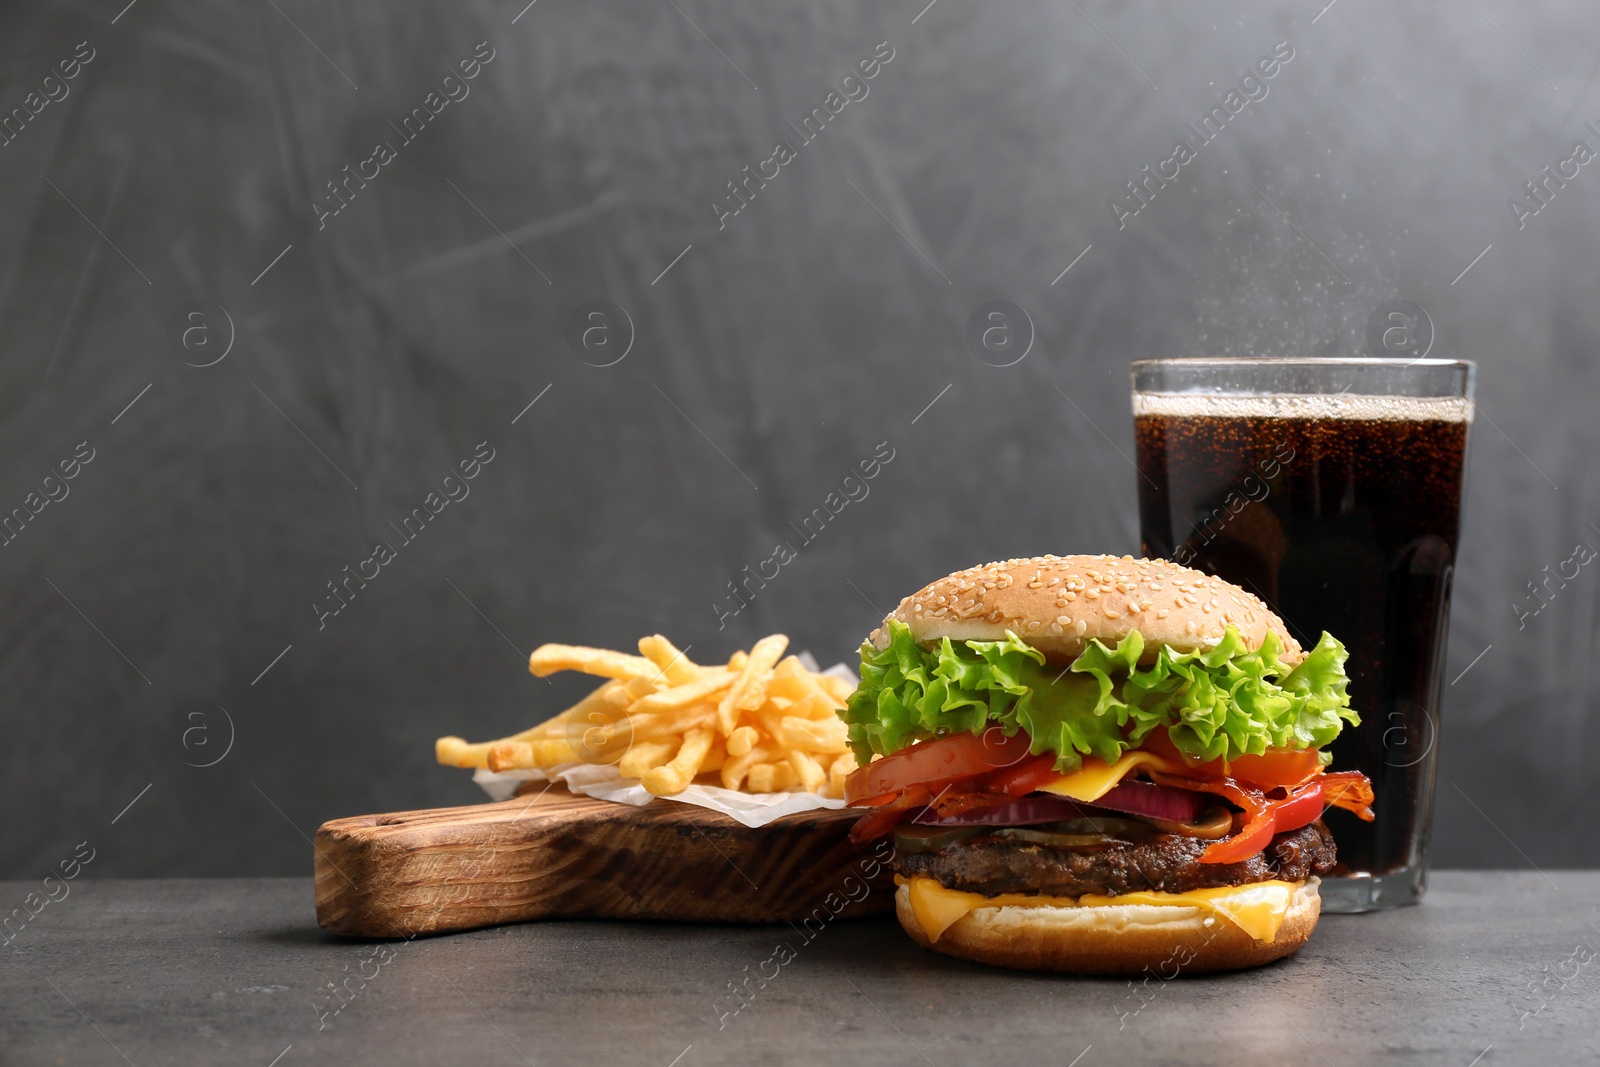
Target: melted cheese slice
[[1258, 908], [1095, 779]]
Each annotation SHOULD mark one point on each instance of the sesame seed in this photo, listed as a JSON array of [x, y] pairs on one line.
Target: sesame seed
[[1092, 594], [1080, 626], [1133, 609], [1063, 619], [1189, 627], [1163, 613], [1071, 596], [1112, 614]]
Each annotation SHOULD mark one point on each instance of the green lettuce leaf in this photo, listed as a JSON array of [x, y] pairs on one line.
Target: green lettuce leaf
[[1221, 702]]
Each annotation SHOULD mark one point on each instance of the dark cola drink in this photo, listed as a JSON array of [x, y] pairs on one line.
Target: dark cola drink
[[1342, 512]]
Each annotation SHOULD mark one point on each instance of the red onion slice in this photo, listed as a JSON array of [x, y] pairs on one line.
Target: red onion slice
[[1021, 812], [1155, 801]]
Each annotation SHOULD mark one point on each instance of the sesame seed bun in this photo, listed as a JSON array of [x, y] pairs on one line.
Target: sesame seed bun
[[1119, 939], [1059, 603]]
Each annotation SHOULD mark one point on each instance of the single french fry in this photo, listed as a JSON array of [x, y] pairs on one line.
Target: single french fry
[[674, 776], [761, 778], [674, 666], [829, 736], [456, 752], [548, 753], [742, 740], [737, 661], [694, 691], [743, 691], [809, 772], [715, 758], [510, 756], [548, 659], [639, 688], [646, 756]]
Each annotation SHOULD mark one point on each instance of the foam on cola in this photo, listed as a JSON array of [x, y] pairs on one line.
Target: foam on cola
[[1342, 513]]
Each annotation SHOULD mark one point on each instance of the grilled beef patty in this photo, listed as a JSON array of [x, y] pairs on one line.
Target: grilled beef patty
[[1167, 863]]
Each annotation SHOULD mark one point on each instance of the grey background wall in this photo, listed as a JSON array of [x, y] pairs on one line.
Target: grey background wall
[[165, 606]]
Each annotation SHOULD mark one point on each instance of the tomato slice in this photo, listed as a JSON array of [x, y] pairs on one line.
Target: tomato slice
[[934, 763], [1025, 777], [1287, 767]]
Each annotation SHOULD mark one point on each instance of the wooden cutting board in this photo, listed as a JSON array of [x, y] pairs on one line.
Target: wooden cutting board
[[563, 856]]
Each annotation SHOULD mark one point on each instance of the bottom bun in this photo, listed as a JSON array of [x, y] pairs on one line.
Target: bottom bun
[[1127, 939]]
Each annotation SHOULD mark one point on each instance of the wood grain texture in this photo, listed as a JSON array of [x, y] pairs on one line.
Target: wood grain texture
[[561, 856]]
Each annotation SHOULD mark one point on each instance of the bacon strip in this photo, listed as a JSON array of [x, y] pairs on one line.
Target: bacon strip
[[1349, 790], [885, 817], [959, 801], [1252, 801]]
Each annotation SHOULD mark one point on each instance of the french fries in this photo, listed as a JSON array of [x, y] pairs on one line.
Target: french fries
[[761, 722]]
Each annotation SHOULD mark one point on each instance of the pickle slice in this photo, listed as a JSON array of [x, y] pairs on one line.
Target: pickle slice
[[911, 837]]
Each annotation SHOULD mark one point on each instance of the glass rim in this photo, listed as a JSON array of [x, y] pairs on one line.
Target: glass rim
[[1298, 361]]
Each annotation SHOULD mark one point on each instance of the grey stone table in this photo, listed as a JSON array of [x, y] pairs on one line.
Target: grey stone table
[[1494, 968]]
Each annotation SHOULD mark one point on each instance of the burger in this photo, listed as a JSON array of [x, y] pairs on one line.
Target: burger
[[1100, 765]]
